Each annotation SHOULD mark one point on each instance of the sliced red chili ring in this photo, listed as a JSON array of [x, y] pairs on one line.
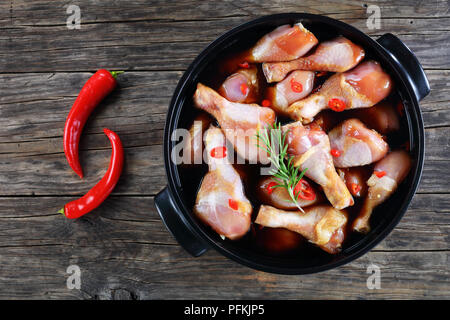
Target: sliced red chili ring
[[244, 65], [266, 103], [233, 204], [270, 186], [304, 191], [244, 88], [380, 174], [335, 152], [219, 152], [336, 105], [355, 188], [296, 86]]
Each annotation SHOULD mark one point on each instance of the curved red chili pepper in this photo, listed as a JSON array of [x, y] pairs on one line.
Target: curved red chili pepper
[[104, 187], [93, 92]]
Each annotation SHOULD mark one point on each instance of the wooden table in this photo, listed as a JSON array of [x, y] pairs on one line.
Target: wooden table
[[122, 249]]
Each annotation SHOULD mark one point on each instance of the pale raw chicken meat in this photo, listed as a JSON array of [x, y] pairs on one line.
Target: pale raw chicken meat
[[193, 147], [221, 202], [361, 87], [279, 197], [242, 86], [337, 55], [388, 174], [322, 225], [296, 86], [356, 145], [311, 150], [283, 44], [355, 179], [240, 122]]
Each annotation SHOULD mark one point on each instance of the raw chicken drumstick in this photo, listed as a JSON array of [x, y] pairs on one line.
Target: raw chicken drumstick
[[355, 179], [296, 86], [240, 122], [193, 147], [354, 145], [311, 149], [321, 225], [388, 174], [279, 197], [337, 55], [221, 202], [361, 87], [242, 86], [283, 44]]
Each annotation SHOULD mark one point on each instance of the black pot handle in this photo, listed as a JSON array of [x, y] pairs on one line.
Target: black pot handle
[[175, 223], [408, 62]]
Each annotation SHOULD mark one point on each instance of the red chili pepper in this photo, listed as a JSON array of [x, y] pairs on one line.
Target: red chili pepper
[[244, 65], [336, 105], [219, 152], [296, 86], [355, 188], [244, 88], [335, 153], [304, 190], [233, 204], [103, 188], [93, 92], [270, 186], [266, 103], [380, 174]]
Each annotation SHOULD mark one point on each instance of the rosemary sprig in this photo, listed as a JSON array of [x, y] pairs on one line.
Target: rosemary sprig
[[285, 173]]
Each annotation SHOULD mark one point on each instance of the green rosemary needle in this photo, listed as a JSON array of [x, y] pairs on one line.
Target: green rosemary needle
[[272, 140]]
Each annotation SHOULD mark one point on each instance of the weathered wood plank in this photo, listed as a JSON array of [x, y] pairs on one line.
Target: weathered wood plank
[[31, 132], [425, 227], [150, 271], [49, 174], [41, 12], [142, 40], [123, 245], [140, 103]]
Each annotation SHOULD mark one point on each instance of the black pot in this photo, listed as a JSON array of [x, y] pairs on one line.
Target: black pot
[[174, 203]]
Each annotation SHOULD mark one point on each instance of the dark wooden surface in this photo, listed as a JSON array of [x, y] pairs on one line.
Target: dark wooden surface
[[123, 249]]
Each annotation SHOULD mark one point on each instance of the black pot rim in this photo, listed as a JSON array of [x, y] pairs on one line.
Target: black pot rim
[[172, 120]]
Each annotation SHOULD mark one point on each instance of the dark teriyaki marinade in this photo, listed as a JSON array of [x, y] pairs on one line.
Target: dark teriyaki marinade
[[277, 241]]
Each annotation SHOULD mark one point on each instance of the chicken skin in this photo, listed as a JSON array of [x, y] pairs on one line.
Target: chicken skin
[[322, 225], [240, 122], [356, 145], [296, 86], [337, 55], [193, 147], [221, 202], [361, 87], [388, 174], [311, 150], [283, 44], [242, 86], [355, 179]]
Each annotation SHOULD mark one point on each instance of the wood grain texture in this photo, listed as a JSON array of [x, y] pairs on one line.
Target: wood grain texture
[[123, 249]]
